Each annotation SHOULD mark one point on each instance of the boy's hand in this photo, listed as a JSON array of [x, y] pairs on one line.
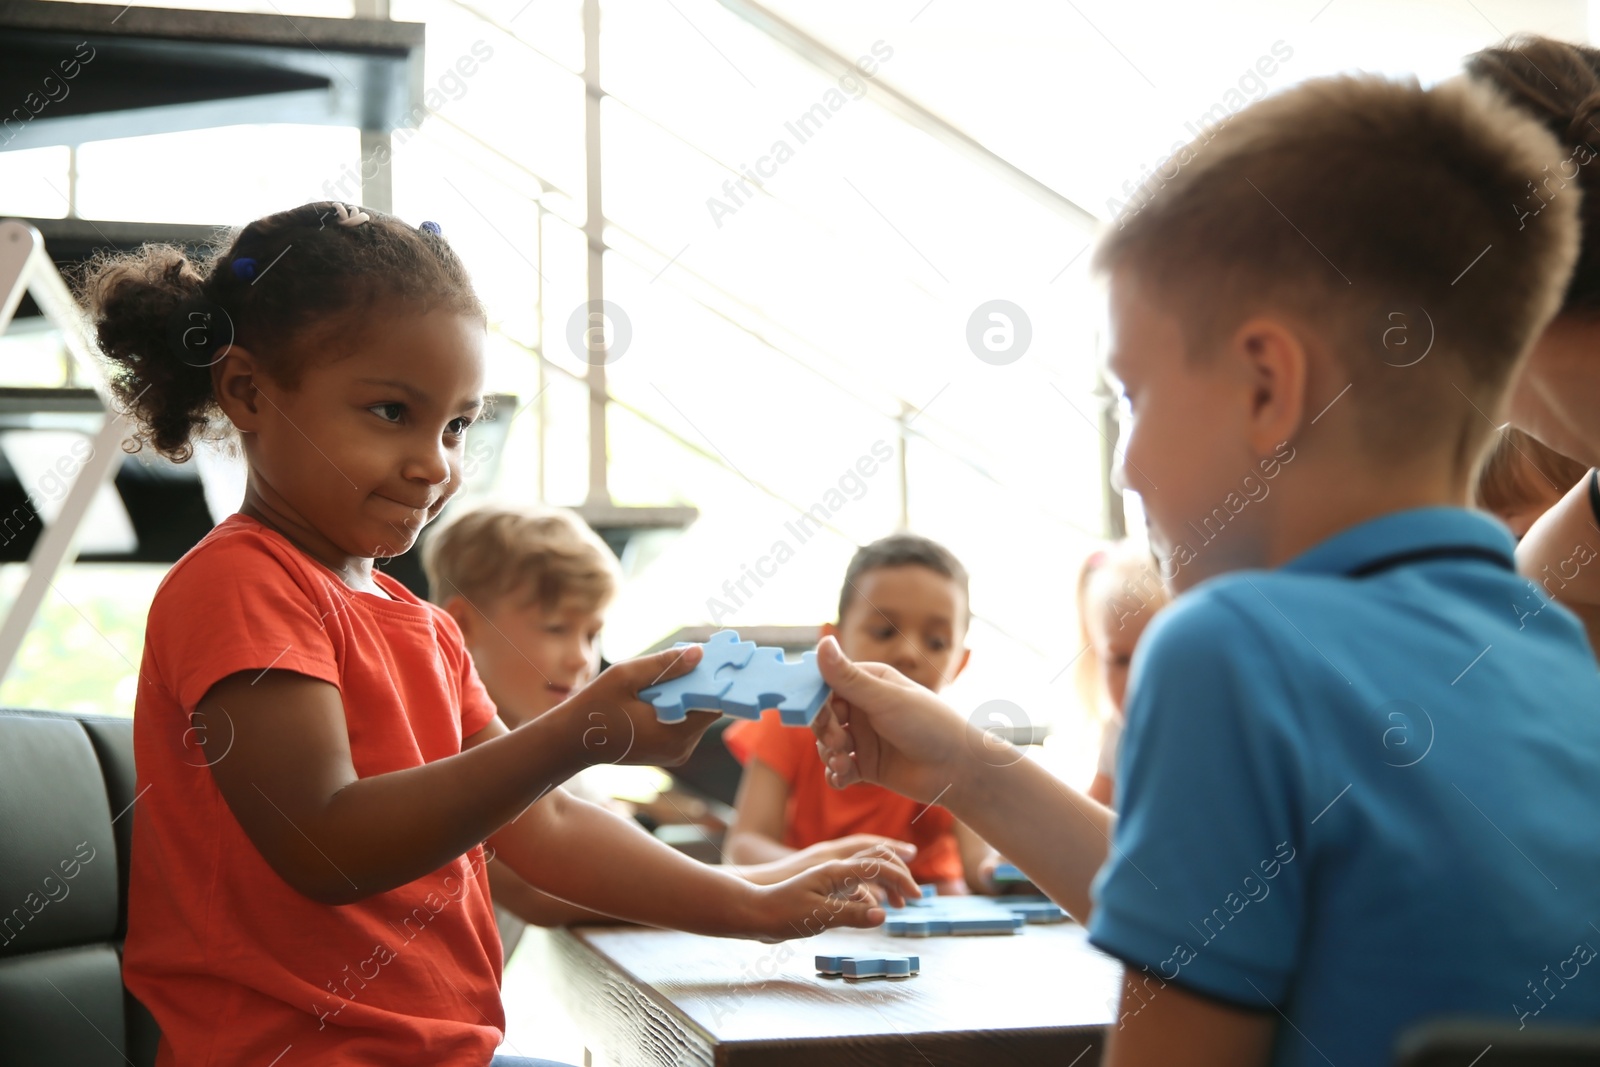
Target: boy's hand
[[832, 894], [893, 854], [852, 845], [612, 725], [880, 726]]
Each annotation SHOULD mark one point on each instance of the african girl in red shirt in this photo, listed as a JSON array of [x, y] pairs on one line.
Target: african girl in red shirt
[[321, 773]]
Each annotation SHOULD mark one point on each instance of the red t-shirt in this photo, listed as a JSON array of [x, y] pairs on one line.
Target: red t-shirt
[[816, 811], [236, 966]]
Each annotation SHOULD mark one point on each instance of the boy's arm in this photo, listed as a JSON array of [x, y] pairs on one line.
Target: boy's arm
[[756, 835], [879, 726], [754, 845], [978, 859], [1559, 553], [1175, 1026], [1101, 789], [532, 906], [279, 751], [578, 851]]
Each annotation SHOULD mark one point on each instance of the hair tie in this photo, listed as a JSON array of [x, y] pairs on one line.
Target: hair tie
[[1581, 129], [244, 268], [433, 228], [351, 216]]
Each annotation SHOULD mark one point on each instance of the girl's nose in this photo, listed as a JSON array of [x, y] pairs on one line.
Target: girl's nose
[[431, 465]]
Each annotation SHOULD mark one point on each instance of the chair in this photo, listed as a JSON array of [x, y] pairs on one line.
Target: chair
[[66, 800], [1474, 1043]]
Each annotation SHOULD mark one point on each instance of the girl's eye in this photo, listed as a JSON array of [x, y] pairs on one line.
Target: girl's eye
[[458, 426], [382, 410]]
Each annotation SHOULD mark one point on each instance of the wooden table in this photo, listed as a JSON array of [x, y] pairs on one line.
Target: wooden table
[[647, 997]]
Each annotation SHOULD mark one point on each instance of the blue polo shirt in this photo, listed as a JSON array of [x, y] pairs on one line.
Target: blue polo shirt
[[1361, 790]]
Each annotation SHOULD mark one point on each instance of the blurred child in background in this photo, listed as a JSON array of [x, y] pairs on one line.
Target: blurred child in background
[[1119, 591], [1524, 478], [904, 602]]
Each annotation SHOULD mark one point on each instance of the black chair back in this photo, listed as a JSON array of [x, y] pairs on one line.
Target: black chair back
[[1474, 1043], [66, 800]]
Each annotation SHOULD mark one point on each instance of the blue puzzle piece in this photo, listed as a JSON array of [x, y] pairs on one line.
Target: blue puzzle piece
[[768, 681], [702, 688], [1008, 874], [1009, 925], [737, 678], [887, 967], [1038, 912], [954, 916], [869, 966]]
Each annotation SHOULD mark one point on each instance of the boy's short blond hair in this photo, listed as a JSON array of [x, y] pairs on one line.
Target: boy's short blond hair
[[545, 556], [1353, 206]]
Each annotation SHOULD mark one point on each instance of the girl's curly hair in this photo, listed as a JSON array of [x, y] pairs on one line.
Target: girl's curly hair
[[281, 287]]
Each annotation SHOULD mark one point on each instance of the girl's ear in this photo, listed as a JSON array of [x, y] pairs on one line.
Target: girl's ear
[[233, 383]]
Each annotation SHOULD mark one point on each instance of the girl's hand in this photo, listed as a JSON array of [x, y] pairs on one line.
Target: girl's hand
[[880, 726], [610, 724], [832, 894]]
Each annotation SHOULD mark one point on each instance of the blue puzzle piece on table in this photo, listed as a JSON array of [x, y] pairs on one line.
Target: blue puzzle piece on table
[[953, 927], [1008, 874], [962, 915], [735, 677], [1038, 911], [869, 966], [1009, 925]]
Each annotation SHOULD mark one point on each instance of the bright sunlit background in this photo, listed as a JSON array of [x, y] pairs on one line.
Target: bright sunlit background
[[779, 334]]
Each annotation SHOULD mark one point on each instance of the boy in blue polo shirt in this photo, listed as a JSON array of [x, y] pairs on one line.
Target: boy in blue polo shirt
[[1361, 770]]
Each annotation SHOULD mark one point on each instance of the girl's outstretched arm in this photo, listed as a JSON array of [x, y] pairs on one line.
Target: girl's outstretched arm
[[581, 853], [288, 778], [532, 905]]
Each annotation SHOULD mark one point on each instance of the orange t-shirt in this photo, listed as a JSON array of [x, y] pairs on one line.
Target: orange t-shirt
[[816, 811], [236, 966]]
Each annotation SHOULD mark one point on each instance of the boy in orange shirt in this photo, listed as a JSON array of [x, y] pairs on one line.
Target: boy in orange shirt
[[905, 603]]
